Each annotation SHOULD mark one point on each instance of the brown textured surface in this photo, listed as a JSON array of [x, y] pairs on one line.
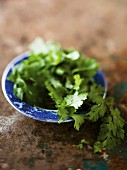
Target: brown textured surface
[[98, 28]]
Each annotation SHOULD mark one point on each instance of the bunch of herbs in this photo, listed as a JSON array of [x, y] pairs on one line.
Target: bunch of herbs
[[63, 79]]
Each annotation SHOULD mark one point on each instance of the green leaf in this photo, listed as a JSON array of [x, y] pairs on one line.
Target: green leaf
[[97, 147], [110, 130], [53, 93], [96, 93], [38, 46], [117, 119], [54, 58], [73, 55], [78, 81], [68, 83], [82, 143], [76, 100], [19, 88], [97, 111], [79, 120], [88, 67], [60, 71], [19, 92], [55, 82], [63, 113]]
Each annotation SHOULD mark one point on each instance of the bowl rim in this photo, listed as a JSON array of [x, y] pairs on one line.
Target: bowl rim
[[3, 81]]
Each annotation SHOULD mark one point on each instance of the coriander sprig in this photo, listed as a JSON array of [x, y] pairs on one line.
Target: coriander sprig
[[111, 128]]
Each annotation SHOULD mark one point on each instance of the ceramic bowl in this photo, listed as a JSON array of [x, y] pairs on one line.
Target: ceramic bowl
[[28, 110]]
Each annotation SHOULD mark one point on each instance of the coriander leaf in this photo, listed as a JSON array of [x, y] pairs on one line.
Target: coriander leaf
[[96, 93], [54, 58], [38, 46], [76, 100], [97, 111], [84, 86], [60, 71], [16, 72], [78, 81], [32, 70], [117, 119], [20, 88], [63, 113], [120, 133], [91, 64], [79, 120], [82, 143], [110, 131], [55, 82], [53, 93], [73, 55], [97, 147], [68, 83], [53, 46], [87, 67], [19, 92]]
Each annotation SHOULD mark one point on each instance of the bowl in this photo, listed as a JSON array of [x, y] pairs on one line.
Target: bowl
[[31, 111]]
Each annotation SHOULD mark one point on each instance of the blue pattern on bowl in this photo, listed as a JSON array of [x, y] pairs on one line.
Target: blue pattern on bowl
[[26, 109]]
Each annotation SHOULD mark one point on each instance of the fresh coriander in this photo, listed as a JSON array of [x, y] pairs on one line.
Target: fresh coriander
[[82, 143], [66, 79]]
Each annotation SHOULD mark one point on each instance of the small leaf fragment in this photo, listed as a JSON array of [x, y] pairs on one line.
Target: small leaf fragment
[[79, 120]]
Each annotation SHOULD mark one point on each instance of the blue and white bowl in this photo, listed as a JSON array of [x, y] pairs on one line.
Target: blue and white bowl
[[26, 109]]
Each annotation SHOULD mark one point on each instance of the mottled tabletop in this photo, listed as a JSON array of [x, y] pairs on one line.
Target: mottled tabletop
[[98, 28]]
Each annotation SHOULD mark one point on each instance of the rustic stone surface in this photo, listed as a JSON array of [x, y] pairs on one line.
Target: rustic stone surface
[[98, 28]]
